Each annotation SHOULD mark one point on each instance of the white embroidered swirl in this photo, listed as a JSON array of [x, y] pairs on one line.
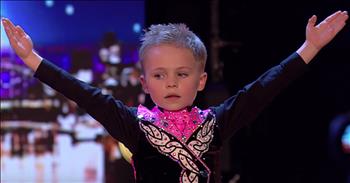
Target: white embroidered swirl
[[204, 136], [173, 149], [189, 177]]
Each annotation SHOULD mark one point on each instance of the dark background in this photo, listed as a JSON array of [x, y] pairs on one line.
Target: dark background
[[289, 140]]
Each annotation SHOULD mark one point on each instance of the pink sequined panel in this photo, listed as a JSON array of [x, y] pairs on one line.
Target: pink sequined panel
[[181, 124]]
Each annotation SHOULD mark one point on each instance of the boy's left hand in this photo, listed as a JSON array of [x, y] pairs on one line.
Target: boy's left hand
[[318, 36]]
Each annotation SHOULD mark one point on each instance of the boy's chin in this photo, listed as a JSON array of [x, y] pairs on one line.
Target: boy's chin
[[174, 108]]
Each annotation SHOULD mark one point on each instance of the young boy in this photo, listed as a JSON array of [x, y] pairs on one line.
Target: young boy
[[175, 141]]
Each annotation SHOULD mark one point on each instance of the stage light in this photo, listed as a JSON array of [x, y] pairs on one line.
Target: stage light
[[339, 140], [69, 9], [49, 3], [136, 28], [346, 140]]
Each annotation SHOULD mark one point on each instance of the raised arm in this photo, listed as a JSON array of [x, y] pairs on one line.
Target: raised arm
[[249, 102], [319, 36], [118, 119]]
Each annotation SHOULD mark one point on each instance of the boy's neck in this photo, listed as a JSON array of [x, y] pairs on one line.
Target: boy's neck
[[188, 109]]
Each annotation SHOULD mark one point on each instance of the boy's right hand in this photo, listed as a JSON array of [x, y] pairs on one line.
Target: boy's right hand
[[21, 44]]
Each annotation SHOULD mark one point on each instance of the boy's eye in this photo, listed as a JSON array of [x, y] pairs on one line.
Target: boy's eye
[[183, 75], [158, 76]]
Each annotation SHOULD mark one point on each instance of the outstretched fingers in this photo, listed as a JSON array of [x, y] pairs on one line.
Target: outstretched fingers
[[20, 31], [332, 17], [9, 30], [9, 25], [339, 22], [333, 23], [12, 31]]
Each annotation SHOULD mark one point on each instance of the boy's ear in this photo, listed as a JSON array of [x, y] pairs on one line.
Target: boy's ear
[[202, 81], [144, 84]]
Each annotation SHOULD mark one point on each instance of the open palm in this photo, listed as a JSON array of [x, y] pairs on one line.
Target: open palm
[[325, 31], [19, 40]]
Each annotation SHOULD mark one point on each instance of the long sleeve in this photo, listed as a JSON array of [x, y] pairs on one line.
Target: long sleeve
[[117, 119], [244, 107]]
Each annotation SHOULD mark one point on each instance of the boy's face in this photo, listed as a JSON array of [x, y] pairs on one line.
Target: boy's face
[[172, 76]]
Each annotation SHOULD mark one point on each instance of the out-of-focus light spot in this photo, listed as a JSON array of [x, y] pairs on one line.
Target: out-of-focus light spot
[[69, 9], [4, 41], [136, 28], [346, 139], [5, 77], [49, 3]]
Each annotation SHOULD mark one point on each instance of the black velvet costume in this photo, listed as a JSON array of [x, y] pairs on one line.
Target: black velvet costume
[[157, 155]]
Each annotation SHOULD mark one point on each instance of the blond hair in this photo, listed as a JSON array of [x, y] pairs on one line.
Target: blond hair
[[178, 35]]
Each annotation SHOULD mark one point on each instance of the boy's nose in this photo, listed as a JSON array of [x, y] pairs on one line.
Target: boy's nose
[[172, 83]]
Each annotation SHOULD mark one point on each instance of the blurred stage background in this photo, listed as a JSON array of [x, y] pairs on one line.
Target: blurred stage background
[[303, 137]]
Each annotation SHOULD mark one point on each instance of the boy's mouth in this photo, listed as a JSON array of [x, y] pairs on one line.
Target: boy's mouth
[[172, 96]]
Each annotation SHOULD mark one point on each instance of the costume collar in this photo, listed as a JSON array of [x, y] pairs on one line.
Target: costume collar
[[151, 115], [180, 123]]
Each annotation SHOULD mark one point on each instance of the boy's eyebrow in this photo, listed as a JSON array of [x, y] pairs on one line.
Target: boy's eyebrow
[[159, 69], [178, 68], [184, 67]]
